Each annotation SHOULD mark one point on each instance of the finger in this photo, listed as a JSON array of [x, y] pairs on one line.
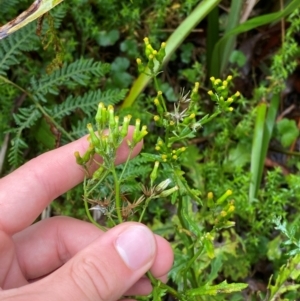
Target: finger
[[29, 189], [47, 245], [103, 271], [10, 274]]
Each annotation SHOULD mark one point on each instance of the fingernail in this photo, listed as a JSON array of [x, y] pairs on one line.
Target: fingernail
[[136, 246]]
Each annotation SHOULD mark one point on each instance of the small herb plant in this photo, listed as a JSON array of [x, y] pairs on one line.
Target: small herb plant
[[166, 181]]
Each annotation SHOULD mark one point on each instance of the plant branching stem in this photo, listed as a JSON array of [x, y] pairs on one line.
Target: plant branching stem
[[60, 128]]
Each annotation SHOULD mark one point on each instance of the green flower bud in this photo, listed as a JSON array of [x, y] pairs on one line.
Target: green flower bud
[[99, 113], [124, 130], [98, 173], [153, 174], [78, 158], [94, 139], [167, 192]]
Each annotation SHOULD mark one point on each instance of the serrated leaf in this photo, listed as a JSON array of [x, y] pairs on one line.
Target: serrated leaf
[[222, 288]]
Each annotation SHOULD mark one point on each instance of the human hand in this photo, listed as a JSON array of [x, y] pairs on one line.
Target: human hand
[[62, 258]]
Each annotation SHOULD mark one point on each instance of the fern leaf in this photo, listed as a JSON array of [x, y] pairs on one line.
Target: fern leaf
[[12, 47], [26, 117], [78, 72], [88, 102], [5, 5], [79, 130], [15, 155]]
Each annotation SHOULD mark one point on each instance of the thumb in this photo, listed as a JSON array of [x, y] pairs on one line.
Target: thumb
[[103, 271]]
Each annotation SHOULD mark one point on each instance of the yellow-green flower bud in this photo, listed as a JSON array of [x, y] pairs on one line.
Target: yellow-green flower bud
[[157, 148], [78, 158], [141, 67], [98, 173], [111, 115], [164, 157], [224, 197], [156, 118], [153, 174], [124, 130], [161, 53], [212, 79], [99, 113], [162, 185], [167, 192], [210, 199], [104, 116], [229, 78], [87, 155], [94, 139], [223, 213], [230, 99], [174, 157], [231, 208], [210, 93], [237, 94], [156, 102]]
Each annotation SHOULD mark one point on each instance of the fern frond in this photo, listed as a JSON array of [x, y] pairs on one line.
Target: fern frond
[[78, 72], [26, 117], [16, 152], [79, 130], [11, 47], [88, 102], [5, 5]]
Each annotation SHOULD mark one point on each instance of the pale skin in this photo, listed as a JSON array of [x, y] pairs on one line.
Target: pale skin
[[63, 258]]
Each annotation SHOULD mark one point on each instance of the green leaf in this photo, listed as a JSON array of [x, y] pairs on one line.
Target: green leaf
[[105, 38], [288, 131], [222, 288]]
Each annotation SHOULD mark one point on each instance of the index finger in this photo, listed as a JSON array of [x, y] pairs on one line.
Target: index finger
[[28, 190]]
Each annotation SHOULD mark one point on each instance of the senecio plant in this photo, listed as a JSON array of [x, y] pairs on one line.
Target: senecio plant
[[178, 125]]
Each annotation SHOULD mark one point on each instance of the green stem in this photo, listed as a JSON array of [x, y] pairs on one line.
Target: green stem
[[126, 164], [88, 213], [169, 289], [61, 129], [144, 209], [117, 195], [184, 224]]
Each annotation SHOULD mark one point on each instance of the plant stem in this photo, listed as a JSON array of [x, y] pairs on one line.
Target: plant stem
[[144, 209], [87, 207], [61, 129], [117, 195], [169, 289]]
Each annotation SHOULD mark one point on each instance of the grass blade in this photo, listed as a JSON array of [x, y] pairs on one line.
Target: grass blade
[[174, 41], [257, 146], [250, 24]]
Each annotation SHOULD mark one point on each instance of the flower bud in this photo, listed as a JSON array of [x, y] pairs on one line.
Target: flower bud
[[167, 192], [94, 139], [153, 174]]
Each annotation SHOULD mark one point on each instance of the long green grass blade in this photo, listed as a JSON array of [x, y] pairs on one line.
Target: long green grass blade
[[212, 37], [256, 152], [174, 41], [233, 21], [36, 10], [248, 25]]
